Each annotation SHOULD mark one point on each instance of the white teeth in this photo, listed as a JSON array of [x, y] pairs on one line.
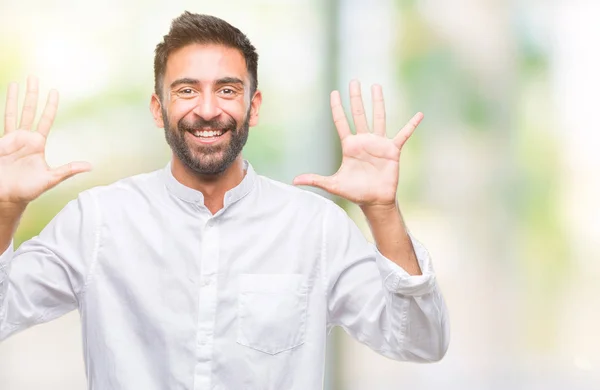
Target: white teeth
[[208, 133]]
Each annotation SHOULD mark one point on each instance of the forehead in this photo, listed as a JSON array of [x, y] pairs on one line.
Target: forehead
[[205, 62]]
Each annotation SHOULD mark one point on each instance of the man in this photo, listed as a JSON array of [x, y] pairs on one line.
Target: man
[[205, 275]]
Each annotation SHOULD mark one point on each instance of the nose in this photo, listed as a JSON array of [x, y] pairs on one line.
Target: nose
[[207, 107]]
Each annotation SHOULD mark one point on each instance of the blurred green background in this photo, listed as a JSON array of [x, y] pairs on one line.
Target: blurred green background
[[501, 181]]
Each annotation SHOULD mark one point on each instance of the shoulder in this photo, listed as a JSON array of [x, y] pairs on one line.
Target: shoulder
[[293, 196], [137, 189]]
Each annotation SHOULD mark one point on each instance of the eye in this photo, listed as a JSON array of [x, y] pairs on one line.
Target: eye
[[228, 92], [186, 92]]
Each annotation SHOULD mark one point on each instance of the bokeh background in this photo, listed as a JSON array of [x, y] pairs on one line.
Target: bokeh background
[[501, 181]]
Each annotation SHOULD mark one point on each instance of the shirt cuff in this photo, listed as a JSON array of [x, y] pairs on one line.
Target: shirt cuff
[[398, 281]]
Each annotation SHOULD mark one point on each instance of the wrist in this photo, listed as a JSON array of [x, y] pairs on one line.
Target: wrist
[[380, 210], [11, 212]]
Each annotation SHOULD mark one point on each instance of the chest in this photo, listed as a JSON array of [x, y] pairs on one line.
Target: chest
[[158, 251]]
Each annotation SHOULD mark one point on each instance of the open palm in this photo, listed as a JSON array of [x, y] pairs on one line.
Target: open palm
[[24, 173], [369, 171]]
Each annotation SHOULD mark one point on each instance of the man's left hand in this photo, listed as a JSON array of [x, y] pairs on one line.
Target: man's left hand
[[369, 172]]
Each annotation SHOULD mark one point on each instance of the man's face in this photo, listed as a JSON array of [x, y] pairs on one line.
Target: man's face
[[206, 108]]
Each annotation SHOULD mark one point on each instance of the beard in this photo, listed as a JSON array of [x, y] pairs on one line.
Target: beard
[[207, 159]]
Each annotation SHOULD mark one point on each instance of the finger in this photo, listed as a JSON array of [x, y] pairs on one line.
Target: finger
[[339, 116], [10, 113], [378, 110], [49, 113], [30, 104], [358, 110], [62, 173], [407, 130], [309, 179]]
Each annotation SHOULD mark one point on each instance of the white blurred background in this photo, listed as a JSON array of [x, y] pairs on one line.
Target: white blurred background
[[501, 181]]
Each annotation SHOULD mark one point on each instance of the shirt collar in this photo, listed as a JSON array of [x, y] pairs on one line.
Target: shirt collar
[[194, 196]]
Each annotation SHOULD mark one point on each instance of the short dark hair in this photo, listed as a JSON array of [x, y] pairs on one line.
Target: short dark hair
[[189, 28]]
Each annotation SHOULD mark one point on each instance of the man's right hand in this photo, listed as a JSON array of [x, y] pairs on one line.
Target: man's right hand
[[24, 173]]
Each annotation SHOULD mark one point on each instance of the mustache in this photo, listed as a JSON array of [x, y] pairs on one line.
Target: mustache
[[228, 124]]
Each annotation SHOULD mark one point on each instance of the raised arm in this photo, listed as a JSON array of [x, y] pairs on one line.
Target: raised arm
[[385, 296], [47, 274]]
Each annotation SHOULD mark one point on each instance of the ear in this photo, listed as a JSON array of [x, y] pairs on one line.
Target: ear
[[156, 110], [255, 107]]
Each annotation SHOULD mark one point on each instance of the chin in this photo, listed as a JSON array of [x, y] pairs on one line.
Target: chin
[[211, 167]]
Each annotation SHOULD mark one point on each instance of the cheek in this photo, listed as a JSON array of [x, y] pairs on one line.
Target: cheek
[[237, 111], [175, 112]]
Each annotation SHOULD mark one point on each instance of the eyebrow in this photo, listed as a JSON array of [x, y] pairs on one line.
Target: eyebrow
[[221, 81], [229, 80]]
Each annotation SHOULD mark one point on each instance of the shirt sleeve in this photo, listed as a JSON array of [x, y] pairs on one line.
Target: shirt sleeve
[[377, 302], [47, 275]]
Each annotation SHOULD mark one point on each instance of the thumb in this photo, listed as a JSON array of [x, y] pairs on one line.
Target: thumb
[[62, 173], [310, 179]]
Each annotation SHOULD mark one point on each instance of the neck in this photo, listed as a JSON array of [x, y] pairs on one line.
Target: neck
[[213, 187]]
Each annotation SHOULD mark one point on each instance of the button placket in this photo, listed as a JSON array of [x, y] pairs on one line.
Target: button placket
[[207, 303]]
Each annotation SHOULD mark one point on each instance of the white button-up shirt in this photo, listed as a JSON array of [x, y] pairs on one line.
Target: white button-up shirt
[[173, 297]]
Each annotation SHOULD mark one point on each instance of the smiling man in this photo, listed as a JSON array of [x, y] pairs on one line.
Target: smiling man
[[205, 275]]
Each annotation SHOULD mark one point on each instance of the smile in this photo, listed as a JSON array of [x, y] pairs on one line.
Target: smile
[[207, 133]]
